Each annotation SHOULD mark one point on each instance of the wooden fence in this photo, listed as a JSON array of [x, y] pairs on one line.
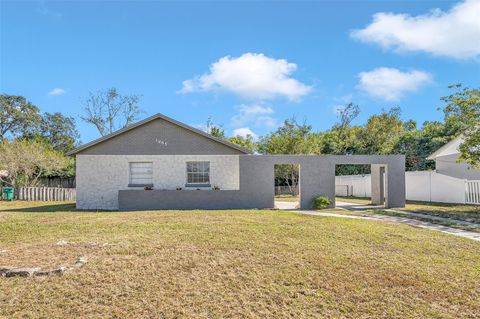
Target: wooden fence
[[63, 182], [45, 194]]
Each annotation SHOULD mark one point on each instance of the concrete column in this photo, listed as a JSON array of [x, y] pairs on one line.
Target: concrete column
[[395, 183], [317, 178], [378, 191]]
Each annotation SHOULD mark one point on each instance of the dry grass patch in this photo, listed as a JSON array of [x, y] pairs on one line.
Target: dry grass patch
[[355, 200], [287, 198], [210, 264]]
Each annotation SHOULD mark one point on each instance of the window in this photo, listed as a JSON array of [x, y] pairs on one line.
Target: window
[[141, 173], [198, 173]]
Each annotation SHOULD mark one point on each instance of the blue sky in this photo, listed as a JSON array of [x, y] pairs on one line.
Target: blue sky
[[247, 65]]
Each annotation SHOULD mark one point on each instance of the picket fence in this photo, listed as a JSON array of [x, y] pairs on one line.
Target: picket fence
[[45, 194]]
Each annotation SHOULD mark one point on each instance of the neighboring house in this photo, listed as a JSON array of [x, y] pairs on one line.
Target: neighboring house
[[190, 169], [446, 161]]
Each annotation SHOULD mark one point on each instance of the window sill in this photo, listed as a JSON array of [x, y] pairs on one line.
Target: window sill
[[198, 185], [140, 185]]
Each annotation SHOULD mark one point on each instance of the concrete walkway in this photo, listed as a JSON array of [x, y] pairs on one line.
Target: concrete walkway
[[438, 218], [286, 205], [359, 208]]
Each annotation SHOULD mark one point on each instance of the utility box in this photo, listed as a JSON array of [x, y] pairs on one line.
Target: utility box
[[8, 193]]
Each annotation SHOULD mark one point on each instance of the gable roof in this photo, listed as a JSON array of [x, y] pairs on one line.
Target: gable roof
[[148, 120], [448, 149]]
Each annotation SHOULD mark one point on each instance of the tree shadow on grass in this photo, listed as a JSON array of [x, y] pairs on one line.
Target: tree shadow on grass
[[50, 208]]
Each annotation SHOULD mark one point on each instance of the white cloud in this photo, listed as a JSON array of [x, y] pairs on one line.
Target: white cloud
[[256, 114], [57, 91], [392, 84], [243, 132], [455, 33], [251, 76]]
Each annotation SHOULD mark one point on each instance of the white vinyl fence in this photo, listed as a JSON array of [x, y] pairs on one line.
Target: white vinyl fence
[[45, 194], [473, 192], [425, 186]]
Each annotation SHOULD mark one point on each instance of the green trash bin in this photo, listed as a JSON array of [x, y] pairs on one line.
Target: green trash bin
[[8, 193]]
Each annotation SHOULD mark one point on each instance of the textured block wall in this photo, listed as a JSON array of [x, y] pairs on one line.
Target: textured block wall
[[100, 177]]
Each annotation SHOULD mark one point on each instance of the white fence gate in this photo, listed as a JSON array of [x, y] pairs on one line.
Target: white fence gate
[[427, 186]]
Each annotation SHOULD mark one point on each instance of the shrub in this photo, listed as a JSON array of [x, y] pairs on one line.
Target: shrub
[[321, 202]]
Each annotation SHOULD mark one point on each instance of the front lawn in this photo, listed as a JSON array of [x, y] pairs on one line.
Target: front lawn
[[244, 263]]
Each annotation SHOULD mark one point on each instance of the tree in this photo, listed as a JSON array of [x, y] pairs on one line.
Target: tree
[[463, 107], [290, 138], [17, 116], [109, 111], [57, 130], [26, 160], [381, 132], [344, 136], [246, 142], [347, 114], [215, 130]]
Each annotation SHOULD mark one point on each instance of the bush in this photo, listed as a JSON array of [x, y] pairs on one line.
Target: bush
[[321, 202]]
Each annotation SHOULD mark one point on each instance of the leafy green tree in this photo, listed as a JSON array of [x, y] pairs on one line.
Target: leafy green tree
[[381, 132], [463, 107], [109, 111], [25, 161], [290, 138], [246, 142], [60, 131], [17, 116], [215, 130], [57, 130]]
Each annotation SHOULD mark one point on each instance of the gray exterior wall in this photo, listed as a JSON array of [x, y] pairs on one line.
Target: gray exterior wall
[[159, 137], [447, 165], [317, 178]]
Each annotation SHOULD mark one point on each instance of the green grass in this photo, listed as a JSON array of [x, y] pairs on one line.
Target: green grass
[[243, 263]]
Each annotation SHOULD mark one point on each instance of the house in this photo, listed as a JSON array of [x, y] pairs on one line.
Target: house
[[446, 161], [186, 168]]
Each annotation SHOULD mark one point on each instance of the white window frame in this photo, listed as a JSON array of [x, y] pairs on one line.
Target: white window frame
[[202, 170], [143, 175]]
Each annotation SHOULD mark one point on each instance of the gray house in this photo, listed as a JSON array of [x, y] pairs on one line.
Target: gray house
[[446, 161], [190, 169]]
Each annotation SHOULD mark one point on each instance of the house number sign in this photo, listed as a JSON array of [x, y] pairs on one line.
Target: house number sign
[[161, 142]]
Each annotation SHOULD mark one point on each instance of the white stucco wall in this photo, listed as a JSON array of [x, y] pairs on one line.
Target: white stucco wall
[[100, 177]]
